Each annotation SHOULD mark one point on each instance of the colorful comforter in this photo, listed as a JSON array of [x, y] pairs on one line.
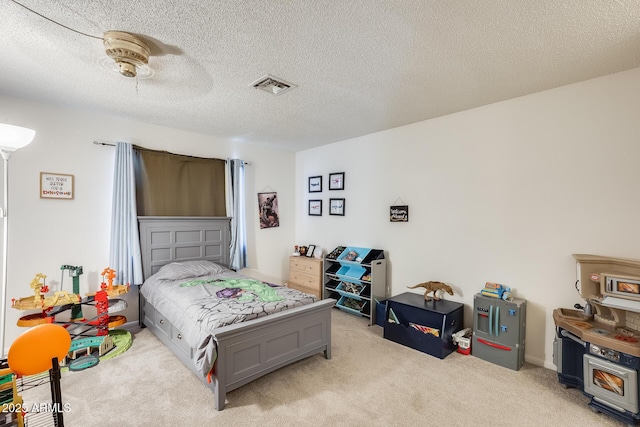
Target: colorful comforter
[[198, 296]]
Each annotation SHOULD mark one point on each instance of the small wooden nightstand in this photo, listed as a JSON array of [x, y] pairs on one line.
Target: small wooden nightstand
[[305, 274]]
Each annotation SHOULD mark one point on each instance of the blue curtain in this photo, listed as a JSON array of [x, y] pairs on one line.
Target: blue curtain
[[236, 210], [124, 254]]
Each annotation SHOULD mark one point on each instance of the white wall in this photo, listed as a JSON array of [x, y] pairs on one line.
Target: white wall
[[45, 233], [503, 193]]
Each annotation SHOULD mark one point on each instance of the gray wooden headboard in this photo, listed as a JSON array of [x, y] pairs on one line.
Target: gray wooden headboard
[[165, 239]]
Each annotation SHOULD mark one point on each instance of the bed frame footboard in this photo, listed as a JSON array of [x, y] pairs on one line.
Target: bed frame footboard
[[252, 349]]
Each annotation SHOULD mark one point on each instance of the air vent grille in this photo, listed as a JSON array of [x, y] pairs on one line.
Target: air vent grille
[[273, 85]]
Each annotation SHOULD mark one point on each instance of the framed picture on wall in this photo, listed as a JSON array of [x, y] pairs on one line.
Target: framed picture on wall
[[268, 207], [315, 184], [56, 186], [336, 181], [399, 213], [315, 207], [336, 207]]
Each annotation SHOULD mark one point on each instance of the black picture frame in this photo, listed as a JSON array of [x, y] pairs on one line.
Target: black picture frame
[[336, 181], [315, 207], [310, 250], [399, 213], [315, 184], [336, 207]]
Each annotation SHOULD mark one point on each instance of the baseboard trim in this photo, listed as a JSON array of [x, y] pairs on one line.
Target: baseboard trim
[[130, 326], [536, 361]]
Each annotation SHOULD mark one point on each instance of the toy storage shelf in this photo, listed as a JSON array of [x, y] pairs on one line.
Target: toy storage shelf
[[357, 278], [426, 326]]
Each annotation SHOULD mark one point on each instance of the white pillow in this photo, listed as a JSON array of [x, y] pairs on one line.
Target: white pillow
[[188, 269]]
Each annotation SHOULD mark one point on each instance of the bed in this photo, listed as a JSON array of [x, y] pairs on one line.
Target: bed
[[243, 351]]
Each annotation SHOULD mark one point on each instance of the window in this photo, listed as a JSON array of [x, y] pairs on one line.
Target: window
[[176, 185]]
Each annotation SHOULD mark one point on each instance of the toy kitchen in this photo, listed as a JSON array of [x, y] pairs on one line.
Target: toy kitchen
[[597, 346]]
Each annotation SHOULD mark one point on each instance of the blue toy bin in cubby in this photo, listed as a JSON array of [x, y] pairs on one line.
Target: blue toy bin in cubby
[[351, 273], [362, 303], [361, 254], [361, 290]]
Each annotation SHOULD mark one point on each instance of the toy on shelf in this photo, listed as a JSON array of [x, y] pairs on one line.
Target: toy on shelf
[[433, 287], [463, 340], [495, 290], [336, 252]]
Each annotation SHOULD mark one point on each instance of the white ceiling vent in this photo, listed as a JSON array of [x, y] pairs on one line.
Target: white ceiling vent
[[273, 85]]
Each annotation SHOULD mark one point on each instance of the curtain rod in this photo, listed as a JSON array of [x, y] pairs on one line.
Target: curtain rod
[[113, 145]]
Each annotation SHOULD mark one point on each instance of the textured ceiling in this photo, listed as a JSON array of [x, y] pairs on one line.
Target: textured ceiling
[[361, 66]]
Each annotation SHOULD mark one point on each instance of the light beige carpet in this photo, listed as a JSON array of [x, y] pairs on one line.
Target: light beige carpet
[[368, 381]]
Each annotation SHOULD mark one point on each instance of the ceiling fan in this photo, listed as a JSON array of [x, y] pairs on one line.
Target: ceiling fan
[[127, 50]]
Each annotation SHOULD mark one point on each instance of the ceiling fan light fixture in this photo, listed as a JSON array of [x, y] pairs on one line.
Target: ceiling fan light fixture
[[127, 50], [126, 69]]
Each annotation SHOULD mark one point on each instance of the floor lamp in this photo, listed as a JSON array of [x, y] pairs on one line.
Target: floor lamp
[[11, 139]]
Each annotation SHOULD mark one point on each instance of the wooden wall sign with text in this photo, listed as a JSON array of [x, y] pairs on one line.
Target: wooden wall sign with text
[[56, 186]]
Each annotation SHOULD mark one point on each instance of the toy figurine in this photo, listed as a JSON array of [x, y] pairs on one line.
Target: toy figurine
[[433, 287], [351, 256]]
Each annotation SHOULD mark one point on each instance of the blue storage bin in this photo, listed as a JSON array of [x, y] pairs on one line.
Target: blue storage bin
[[381, 310], [351, 273], [360, 254], [343, 290], [357, 309], [342, 271]]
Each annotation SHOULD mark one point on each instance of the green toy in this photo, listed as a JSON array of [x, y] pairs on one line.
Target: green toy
[[75, 272]]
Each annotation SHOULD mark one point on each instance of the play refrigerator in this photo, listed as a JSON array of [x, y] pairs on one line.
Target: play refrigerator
[[499, 330]]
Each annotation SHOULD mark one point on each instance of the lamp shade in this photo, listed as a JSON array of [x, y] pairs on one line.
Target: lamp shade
[[14, 137]]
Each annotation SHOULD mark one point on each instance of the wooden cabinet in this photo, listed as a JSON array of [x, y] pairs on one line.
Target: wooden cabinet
[[356, 278], [427, 326], [305, 275]]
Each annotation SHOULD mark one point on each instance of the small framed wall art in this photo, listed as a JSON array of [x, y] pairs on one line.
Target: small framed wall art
[[56, 186], [399, 213], [315, 184], [336, 181], [268, 207], [336, 207], [315, 207]]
